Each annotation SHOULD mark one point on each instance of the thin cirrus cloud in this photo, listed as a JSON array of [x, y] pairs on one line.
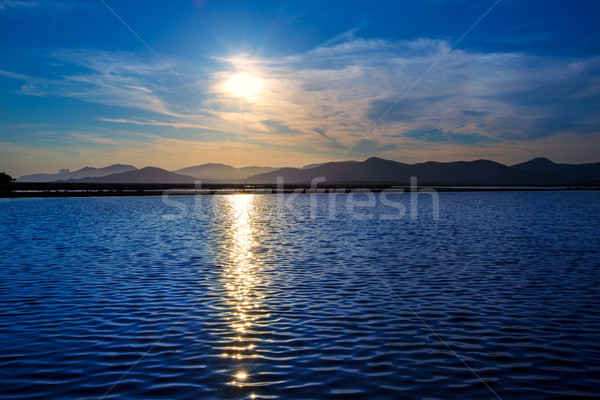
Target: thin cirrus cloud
[[113, 79], [7, 4], [40, 5], [327, 98], [80, 137], [342, 90]]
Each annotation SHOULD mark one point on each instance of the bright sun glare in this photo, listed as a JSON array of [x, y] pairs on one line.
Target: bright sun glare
[[243, 84]]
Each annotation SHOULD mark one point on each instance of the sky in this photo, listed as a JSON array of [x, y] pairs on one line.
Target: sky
[[288, 83]]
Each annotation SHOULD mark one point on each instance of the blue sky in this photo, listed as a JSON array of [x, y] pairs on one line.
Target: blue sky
[[78, 88]]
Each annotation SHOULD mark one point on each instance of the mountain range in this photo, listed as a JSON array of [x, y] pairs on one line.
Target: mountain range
[[87, 172], [581, 172], [221, 173], [479, 172], [144, 175], [538, 171]]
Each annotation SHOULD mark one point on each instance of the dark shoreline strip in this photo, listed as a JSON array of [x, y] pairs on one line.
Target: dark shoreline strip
[[40, 190]]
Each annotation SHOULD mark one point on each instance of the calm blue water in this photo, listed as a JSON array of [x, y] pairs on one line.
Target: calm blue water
[[234, 297]]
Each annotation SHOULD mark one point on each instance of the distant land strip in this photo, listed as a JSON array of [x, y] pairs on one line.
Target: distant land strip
[[32, 190], [373, 174]]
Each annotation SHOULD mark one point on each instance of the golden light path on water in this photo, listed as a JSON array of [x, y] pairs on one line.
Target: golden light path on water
[[240, 277]]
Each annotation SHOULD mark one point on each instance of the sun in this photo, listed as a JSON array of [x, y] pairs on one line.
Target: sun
[[243, 85]]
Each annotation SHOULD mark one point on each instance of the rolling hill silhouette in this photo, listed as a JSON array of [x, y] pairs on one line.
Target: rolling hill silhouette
[[144, 175], [377, 170], [567, 172], [222, 173], [538, 171], [86, 172]]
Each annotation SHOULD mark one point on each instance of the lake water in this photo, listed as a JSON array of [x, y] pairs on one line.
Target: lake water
[[249, 297]]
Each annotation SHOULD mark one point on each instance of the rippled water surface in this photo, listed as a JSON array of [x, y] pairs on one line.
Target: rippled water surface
[[244, 297]]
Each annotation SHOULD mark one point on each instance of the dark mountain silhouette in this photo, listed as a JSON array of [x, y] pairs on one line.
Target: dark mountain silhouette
[[377, 170], [309, 166], [144, 175], [539, 164], [582, 173], [538, 171], [222, 173], [85, 172]]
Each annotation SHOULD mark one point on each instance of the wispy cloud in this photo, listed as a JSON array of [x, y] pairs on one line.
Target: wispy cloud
[[139, 88], [5, 4], [151, 122], [16, 75], [500, 96], [82, 137], [114, 79], [39, 5], [324, 99], [348, 35]]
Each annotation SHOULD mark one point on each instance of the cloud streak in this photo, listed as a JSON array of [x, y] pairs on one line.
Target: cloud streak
[[6, 4], [323, 100], [341, 90], [41, 5]]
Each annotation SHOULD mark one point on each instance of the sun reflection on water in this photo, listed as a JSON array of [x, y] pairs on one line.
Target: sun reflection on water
[[241, 280]]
